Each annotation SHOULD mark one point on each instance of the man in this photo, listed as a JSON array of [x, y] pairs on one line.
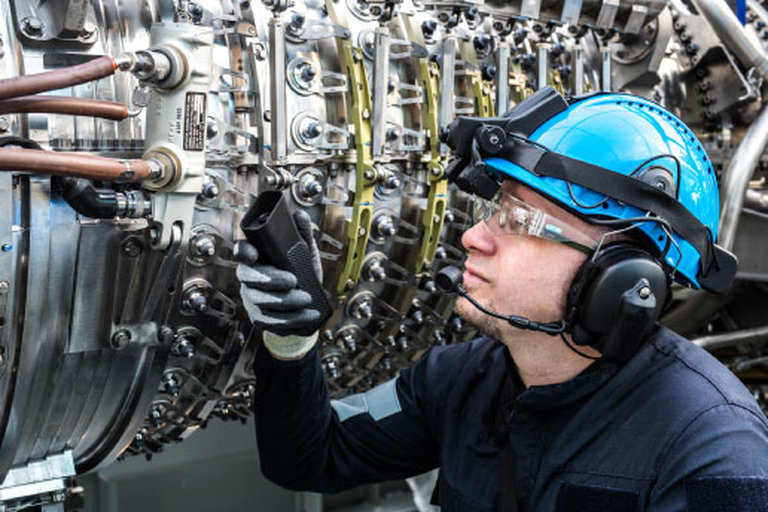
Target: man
[[574, 399]]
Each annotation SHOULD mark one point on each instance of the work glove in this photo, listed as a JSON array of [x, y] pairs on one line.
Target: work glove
[[275, 303]]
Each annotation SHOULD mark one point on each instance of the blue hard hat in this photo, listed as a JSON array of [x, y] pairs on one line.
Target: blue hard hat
[[628, 135]]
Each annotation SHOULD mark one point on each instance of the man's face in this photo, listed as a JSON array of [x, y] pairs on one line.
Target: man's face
[[519, 275]]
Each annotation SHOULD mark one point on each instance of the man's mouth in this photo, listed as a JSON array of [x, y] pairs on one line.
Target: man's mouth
[[472, 276]]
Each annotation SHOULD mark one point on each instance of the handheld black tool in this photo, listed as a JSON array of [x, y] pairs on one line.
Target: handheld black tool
[[269, 226]]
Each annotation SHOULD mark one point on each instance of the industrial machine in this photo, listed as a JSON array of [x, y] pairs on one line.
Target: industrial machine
[[135, 134]]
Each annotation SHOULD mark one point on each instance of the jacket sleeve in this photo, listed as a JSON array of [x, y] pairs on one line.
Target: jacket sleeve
[[310, 443], [718, 462]]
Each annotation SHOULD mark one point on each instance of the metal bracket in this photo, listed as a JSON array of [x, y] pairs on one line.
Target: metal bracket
[[411, 49], [607, 14], [503, 52], [434, 214], [380, 85], [636, 19], [45, 477], [317, 31], [531, 9], [448, 74], [358, 230], [571, 11], [416, 99], [277, 105]]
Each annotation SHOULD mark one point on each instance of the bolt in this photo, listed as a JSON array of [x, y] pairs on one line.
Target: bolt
[[211, 130], [87, 31], [440, 253], [348, 339], [132, 246], [120, 339], [376, 271], [489, 72], [312, 130], [297, 20], [203, 246], [368, 174], [392, 182], [196, 301], [32, 26], [210, 190], [183, 347], [428, 27], [156, 416], [366, 113], [644, 292], [4, 286], [391, 135], [429, 286], [481, 42], [385, 227], [363, 310], [171, 384], [449, 216], [4, 125], [376, 10], [331, 367], [310, 187], [417, 316], [308, 72]]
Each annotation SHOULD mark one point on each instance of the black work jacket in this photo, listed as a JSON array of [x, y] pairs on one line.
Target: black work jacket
[[672, 430]]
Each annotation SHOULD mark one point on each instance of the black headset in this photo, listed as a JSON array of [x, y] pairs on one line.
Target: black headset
[[616, 298]]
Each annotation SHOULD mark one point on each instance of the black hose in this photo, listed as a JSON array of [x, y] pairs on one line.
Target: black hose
[[79, 193], [85, 199]]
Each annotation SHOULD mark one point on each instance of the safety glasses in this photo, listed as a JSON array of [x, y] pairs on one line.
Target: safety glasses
[[508, 215]]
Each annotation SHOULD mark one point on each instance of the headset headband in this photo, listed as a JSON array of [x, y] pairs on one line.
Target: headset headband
[[474, 139]]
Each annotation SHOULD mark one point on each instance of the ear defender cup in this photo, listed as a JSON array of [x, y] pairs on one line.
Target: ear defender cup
[[596, 293]]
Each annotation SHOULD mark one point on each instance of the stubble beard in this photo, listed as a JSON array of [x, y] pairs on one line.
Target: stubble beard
[[479, 320]]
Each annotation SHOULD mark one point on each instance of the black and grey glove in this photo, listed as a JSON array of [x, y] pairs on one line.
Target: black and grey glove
[[275, 303]]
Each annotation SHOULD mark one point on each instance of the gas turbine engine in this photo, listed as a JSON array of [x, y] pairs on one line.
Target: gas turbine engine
[[121, 193]]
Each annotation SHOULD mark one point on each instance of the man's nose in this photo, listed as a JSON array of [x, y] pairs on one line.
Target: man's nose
[[479, 238]]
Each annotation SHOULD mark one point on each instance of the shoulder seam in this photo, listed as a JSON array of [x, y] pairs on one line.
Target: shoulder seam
[[694, 370], [664, 453]]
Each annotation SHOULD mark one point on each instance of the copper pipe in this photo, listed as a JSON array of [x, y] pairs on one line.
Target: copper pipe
[[64, 105], [57, 79], [73, 164]]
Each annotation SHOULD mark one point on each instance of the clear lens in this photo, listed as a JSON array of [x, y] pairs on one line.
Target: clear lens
[[508, 215]]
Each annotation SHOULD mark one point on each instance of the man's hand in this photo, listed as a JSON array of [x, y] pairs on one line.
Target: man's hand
[[275, 303]]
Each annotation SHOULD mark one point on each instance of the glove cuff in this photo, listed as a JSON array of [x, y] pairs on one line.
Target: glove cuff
[[290, 346]]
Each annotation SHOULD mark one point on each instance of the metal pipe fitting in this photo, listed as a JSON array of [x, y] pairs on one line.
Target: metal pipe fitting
[[737, 39], [715, 341], [51, 80], [736, 177]]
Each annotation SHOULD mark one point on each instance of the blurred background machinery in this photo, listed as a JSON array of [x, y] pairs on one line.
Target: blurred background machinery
[[136, 133]]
